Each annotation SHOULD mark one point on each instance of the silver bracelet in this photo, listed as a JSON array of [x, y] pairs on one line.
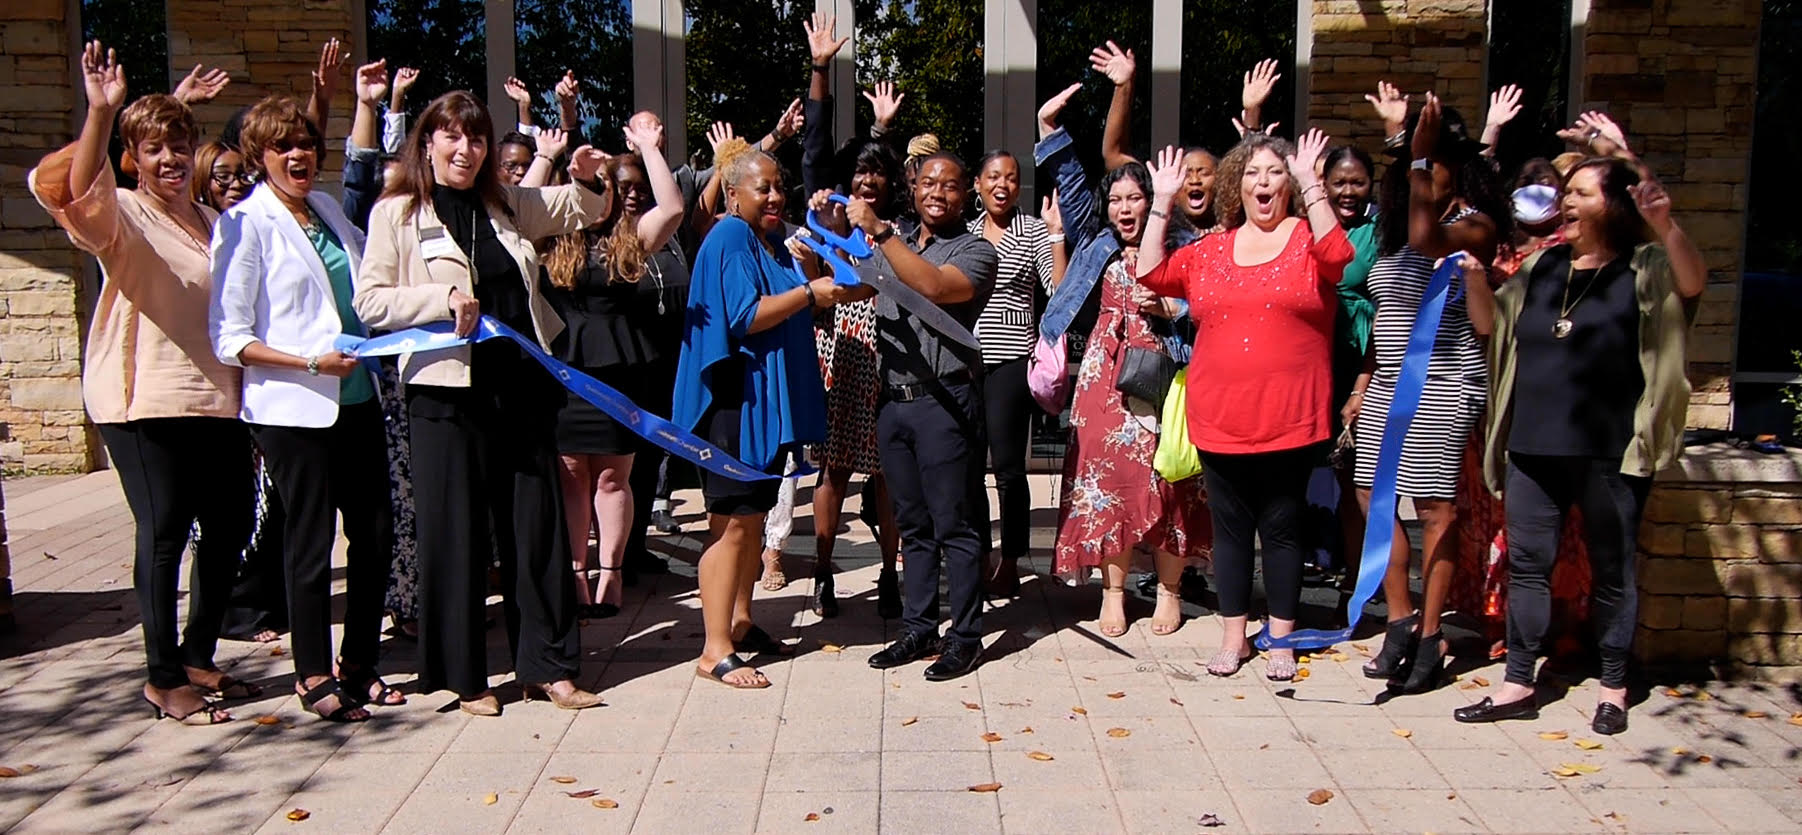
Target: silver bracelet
[[1056, 239]]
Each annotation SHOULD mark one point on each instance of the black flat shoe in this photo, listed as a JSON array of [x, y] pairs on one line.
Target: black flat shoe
[[959, 658], [758, 642], [908, 648], [888, 595], [825, 596], [597, 611], [1427, 669], [665, 523], [1609, 720], [1400, 641], [1488, 711]]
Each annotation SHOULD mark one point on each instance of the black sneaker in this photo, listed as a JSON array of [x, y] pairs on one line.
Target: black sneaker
[[910, 647], [664, 523], [958, 658]]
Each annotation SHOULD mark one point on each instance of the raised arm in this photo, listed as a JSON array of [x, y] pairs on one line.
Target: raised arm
[[522, 99], [707, 205], [1076, 204], [1687, 265], [659, 224], [823, 46], [1166, 181], [1118, 65], [1322, 220], [1504, 105], [394, 122], [199, 87], [1057, 248], [361, 152], [104, 81], [885, 102], [550, 144], [1392, 107], [569, 102], [325, 82], [1254, 90], [371, 85], [1429, 237]]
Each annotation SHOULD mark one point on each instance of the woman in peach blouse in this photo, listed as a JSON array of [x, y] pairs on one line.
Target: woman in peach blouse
[[165, 407]]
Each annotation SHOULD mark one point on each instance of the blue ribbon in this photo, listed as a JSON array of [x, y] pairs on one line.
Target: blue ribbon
[[668, 436], [1379, 535]]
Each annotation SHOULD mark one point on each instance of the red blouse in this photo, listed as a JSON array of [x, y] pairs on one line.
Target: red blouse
[[1261, 378]]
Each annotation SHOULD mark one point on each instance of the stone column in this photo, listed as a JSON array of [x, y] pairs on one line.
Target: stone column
[[1010, 59], [1417, 46]]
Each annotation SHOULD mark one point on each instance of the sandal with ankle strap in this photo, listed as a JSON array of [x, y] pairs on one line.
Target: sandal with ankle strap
[[1111, 630], [209, 713], [346, 705], [1167, 591], [363, 680], [228, 687]]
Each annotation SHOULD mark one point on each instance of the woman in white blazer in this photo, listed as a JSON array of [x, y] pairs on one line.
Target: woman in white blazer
[[284, 263]]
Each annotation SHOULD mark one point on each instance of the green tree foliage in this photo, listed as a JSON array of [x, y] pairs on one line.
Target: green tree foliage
[[746, 60], [139, 33], [1529, 46], [932, 50], [1221, 40], [1068, 31], [592, 37], [444, 39]]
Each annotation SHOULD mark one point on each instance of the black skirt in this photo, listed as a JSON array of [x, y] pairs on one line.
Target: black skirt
[[583, 429]]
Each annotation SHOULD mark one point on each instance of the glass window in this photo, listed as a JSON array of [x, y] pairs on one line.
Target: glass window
[[746, 60], [1222, 39], [932, 50], [1770, 294], [443, 39], [139, 33], [1529, 45], [1068, 31], [591, 37]]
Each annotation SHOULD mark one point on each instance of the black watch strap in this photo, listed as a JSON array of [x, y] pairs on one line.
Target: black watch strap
[[882, 237]]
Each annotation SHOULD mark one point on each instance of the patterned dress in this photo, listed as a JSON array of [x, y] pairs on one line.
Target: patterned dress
[[848, 366], [403, 576], [1113, 498]]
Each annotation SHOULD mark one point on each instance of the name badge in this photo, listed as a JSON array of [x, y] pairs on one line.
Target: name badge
[[437, 246]]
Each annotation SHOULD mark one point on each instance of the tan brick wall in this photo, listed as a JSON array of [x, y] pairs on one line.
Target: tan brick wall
[[1680, 76], [1417, 45], [40, 271]]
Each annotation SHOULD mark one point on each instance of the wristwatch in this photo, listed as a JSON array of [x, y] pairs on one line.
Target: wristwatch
[[1422, 164], [882, 237], [313, 366]]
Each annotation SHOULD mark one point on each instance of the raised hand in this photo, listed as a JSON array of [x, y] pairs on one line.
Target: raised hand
[[102, 77], [885, 101], [719, 134], [1052, 107], [1112, 61], [1269, 130], [585, 163], [789, 123], [1051, 215], [1601, 127], [1654, 204], [404, 79], [551, 142], [1259, 81], [371, 82], [1504, 105], [1426, 129], [1391, 106], [823, 42], [1308, 148], [331, 64], [516, 90], [641, 139], [1166, 175], [568, 88], [200, 87]]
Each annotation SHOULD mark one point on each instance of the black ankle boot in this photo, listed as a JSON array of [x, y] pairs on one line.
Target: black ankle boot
[[888, 595], [825, 596], [1399, 643], [1428, 666]]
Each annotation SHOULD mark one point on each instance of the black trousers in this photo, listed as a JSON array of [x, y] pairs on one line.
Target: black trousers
[[259, 597], [320, 473], [485, 484], [1540, 490], [932, 460], [1263, 494], [650, 466], [1008, 408], [175, 471]]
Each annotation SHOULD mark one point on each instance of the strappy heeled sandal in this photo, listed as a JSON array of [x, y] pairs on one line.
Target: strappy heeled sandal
[[366, 685], [1112, 629], [346, 705], [773, 577], [209, 713], [1167, 592]]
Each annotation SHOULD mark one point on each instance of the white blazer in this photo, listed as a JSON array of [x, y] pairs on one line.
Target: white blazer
[[270, 286]]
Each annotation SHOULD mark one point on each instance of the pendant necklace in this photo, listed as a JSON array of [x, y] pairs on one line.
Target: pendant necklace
[[1563, 327]]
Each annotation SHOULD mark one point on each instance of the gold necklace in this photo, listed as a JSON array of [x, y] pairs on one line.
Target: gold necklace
[[1563, 327]]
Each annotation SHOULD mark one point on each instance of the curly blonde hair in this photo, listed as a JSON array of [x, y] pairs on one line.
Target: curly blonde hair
[[1229, 205]]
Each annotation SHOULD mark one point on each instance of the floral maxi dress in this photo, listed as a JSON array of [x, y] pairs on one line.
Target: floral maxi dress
[[1113, 499]]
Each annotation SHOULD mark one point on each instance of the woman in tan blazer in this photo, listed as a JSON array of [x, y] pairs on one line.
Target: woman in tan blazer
[[449, 242]]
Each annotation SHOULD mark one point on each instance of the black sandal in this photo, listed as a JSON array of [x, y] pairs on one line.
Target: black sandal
[[725, 668], [361, 680], [209, 713], [599, 611], [758, 642], [327, 689], [825, 595], [1401, 640], [228, 687]]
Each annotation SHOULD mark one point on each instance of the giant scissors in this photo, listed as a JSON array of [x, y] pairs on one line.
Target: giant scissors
[[849, 258]]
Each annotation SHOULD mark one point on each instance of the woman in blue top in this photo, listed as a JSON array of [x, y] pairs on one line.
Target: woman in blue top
[[749, 382]]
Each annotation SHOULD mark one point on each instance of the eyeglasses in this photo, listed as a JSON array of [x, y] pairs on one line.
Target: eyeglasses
[[516, 167], [225, 179]]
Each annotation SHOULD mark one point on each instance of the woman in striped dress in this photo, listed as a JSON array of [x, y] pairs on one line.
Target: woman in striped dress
[[1444, 202]]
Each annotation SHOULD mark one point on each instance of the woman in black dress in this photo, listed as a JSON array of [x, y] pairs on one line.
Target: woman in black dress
[[608, 286]]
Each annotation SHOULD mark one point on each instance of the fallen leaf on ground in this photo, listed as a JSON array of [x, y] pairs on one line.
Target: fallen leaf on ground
[[1025, 730], [1090, 678], [1041, 756], [1673, 693], [1702, 696], [1079, 711], [491, 799], [1756, 714], [7, 772], [825, 647], [1553, 735], [604, 803], [1795, 719], [991, 736], [1119, 733], [1209, 820], [1479, 681], [1238, 697], [1340, 657], [1118, 694], [1704, 759], [1303, 659], [1588, 744], [984, 788], [1319, 797], [1470, 685], [584, 794], [27, 768], [564, 780], [277, 651], [1361, 647], [1581, 768], [909, 721], [1404, 733], [972, 706], [1175, 701], [1264, 747], [1678, 752], [1565, 771], [812, 817], [1301, 673], [266, 719], [298, 815]]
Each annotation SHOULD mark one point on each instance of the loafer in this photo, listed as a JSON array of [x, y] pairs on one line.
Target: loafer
[[1488, 711], [908, 648], [959, 658], [1609, 719]]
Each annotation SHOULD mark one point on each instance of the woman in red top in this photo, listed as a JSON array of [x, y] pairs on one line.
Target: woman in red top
[[1262, 298]]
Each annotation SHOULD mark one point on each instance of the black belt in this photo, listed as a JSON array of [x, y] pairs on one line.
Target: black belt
[[917, 391]]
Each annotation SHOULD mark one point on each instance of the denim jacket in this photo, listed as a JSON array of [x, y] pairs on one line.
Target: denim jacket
[[1092, 245]]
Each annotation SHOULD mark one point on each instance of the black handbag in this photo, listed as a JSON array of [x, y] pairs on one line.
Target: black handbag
[[1146, 374]]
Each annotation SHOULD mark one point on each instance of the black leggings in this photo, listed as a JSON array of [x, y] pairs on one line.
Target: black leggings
[[1008, 407], [174, 471], [1540, 490], [1262, 494]]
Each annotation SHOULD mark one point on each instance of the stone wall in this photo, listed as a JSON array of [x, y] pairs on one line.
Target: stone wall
[[40, 271], [1417, 45], [1721, 573]]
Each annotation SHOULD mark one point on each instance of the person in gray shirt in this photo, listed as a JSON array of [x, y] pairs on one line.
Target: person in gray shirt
[[929, 421]]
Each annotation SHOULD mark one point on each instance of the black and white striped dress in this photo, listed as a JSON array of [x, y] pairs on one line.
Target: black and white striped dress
[[1007, 328], [1457, 380]]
